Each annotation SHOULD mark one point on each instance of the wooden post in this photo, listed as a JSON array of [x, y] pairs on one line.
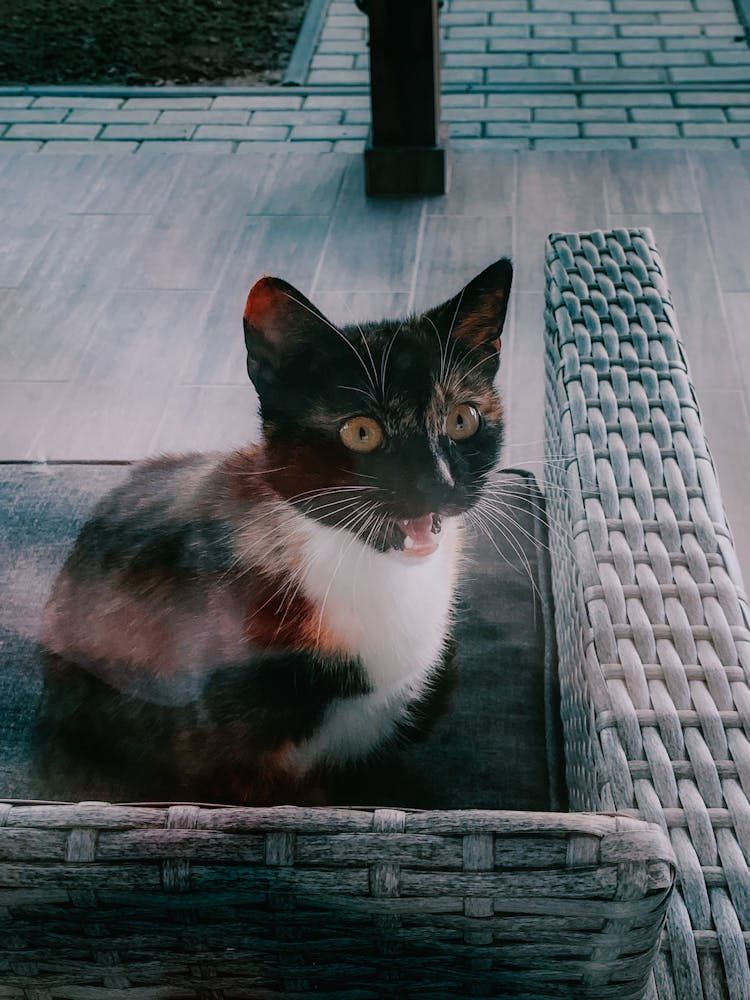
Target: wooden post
[[406, 151]]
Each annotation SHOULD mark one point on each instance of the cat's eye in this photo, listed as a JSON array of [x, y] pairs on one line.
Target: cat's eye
[[462, 422], [362, 434]]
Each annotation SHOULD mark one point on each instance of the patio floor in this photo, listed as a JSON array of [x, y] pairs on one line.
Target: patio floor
[[123, 278]]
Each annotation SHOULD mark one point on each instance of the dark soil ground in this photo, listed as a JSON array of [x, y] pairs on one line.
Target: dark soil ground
[[147, 41]]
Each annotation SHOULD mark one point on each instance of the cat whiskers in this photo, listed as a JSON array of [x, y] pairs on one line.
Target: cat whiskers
[[345, 546], [351, 522], [348, 342], [484, 515], [386, 358]]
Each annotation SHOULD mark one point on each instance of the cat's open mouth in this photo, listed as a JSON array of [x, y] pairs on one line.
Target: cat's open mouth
[[417, 536]]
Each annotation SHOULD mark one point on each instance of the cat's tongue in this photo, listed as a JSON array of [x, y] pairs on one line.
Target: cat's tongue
[[419, 539]]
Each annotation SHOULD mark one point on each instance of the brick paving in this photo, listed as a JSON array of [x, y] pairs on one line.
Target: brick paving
[[540, 74]]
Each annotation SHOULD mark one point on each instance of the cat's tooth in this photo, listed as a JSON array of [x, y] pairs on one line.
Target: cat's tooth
[[408, 542]]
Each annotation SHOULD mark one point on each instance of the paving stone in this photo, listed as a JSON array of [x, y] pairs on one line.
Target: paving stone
[[714, 74], [531, 45], [463, 75], [484, 59], [466, 44], [461, 100], [730, 56], [239, 116], [328, 61], [743, 143], [683, 143], [450, 18], [241, 132], [598, 129], [64, 101], [186, 146], [499, 7], [15, 102], [30, 130], [342, 48], [347, 146], [329, 132], [660, 31], [701, 42], [325, 101], [500, 31], [146, 132], [86, 146], [9, 115], [613, 114], [530, 76], [717, 30], [739, 114], [287, 147], [262, 102], [677, 114], [488, 6], [346, 21], [731, 129], [663, 58], [465, 130], [119, 116], [653, 6], [531, 100], [616, 19], [497, 30], [532, 130], [343, 34], [712, 97], [19, 147], [362, 61], [169, 103], [574, 60], [623, 75], [486, 145], [362, 116], [351, 76], [583, 144], [633, 98], [311, 117], [486, 114], [704, 17], [572, 6], [616, 44], [574, 31]]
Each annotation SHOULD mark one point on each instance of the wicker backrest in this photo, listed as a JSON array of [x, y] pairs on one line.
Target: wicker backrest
[[652, 618], [185, 901]]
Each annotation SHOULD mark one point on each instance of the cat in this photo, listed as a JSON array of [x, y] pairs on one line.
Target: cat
[[232, 627]]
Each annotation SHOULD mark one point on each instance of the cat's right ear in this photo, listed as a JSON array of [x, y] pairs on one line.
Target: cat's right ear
[[277, 319]]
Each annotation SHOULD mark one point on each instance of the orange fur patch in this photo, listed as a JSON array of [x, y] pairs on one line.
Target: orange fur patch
[[262, 299], [281, 620]]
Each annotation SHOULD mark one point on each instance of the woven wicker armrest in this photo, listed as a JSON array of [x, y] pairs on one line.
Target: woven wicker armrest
[[187, 901], [652, 622]]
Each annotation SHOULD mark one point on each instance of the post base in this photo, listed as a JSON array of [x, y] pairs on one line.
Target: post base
[[406, 170]]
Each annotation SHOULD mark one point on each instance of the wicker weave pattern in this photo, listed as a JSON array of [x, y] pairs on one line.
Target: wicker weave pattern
[[652, 620], [265, 903]]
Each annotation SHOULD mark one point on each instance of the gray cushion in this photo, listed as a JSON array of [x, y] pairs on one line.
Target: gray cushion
[[495, 742]]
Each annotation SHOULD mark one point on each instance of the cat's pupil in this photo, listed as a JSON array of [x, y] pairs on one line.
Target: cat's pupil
[[362, 433], [460, 420]]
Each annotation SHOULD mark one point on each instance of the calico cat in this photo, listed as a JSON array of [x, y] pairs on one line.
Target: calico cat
[[231, 627]]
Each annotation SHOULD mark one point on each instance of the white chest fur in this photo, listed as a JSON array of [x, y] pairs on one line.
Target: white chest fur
[[393, 611]]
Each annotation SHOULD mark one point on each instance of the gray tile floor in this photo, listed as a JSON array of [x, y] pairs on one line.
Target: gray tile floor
[[122, 282]]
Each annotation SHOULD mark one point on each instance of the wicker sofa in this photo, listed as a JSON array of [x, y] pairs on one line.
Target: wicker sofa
[[176, 900], [652, 620]]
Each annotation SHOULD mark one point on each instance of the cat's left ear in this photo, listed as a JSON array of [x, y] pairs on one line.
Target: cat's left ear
[[278, 319], [477, 314]]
